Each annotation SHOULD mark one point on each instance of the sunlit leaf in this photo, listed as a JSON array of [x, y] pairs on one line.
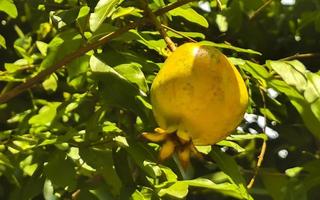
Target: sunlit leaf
[[312, 93], [51, 83], [3, 41], [222, 23], [190, 15], [8, 7], [42, 47], [45, 116], [177, 190], [224, 188], [292, 72], [124, 11], [133, 73], [102, 11], [300, 103], [233, 145]]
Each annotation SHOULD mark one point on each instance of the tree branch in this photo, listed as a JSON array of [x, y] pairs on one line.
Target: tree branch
[[68, 58], [172, 6], [302, 55], [255, 13], [264, 144]]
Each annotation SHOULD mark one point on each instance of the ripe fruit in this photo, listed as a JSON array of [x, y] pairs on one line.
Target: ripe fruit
[[198, 95]]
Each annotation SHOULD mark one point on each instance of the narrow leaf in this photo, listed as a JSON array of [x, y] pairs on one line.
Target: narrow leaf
[[228, 165], [190, 15], [229, 46]]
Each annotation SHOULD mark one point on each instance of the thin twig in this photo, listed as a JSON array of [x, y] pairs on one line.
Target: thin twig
[[219, 5], [302, 55], [158, 26], [172, 6], [263, 147], [178, 33], [255, 13], [68, 58], [269, 173]]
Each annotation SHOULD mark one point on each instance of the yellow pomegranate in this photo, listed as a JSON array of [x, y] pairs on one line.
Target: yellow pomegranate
[[198, 94]]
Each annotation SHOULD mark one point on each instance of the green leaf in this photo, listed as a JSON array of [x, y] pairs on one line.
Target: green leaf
[[42, 47], [137, 195], [222, 23], [48, 191], [247, 137], [146, 39], [51, 83], [269, 114], [312, 93], [22, 45], [8, 7], [102, 161], [190, 15], [229, 166], [102, 11], [4, 160], [77, 70], [257, 71], [133, 73], [63, 18], [115, 90], [143, 158], [294, 171], [274, 182], [60, 46], [292, 72], [178, 190], [124, 11], [229, 46], [61, 171], [233, 145], [45, 116], [82, 18], [224, 188], [122, 167], [300, 103], [3, 42], [295, 74], [32, 188]]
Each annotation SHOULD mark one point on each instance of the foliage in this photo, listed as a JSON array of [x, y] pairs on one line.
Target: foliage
[[76, 133]]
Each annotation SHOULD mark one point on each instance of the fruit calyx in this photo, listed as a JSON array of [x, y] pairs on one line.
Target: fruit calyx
[[172, 143]]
